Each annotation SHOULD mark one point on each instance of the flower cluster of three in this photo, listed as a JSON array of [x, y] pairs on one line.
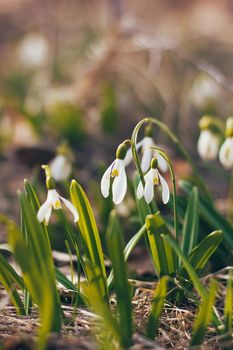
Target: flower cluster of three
[[151, 163]]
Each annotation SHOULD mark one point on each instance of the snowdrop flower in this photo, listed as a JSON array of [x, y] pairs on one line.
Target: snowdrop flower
[[61, 165], [60, 168], [116, 171], [34, 50], [209, 139], [148, 153], [152, 178], [53, 201], [226, 150]]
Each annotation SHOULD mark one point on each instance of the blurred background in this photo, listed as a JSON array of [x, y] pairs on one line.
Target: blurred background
[[86, 72]]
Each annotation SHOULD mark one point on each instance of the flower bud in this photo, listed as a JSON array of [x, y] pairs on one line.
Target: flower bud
[[154, 163], [149, 131], [122, 149]]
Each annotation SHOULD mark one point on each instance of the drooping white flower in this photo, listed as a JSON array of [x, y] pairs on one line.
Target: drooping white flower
[[34, 50], [208, 144], [148, 153], [61, 168], [116, 171], [54, 201], [226, 153], [153, 178], [226, 150]]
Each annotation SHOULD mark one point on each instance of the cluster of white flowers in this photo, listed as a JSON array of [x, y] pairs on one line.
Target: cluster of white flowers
[[150, 163], [210, 144]]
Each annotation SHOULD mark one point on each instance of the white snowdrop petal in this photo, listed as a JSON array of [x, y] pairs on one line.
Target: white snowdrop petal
[[105, 181], [149, 191], [53, 197], [71, 208], [48, 215], [226, 153], [165, 190], [119, 186], [208, 145], [146, 158], [60, 168], [162, 163], [128, 157], [140, 190], [42, 212]]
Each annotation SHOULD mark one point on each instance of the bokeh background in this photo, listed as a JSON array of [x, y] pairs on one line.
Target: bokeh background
[[87, 71]]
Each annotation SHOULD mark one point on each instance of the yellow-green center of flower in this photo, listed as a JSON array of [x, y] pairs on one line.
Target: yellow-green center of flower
[[115, 173], [156, 180]]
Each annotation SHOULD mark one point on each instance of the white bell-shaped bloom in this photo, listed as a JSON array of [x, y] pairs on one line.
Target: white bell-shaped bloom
[[147, 154], [152, 178], [53, 201], [61, 168], [226, 153], [119, 186], [208, 145]]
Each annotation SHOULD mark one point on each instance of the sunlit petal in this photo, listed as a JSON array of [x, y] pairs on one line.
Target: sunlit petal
[[119, 186], [60, 168], [140, 190], [149, 191], [226, 153], [48, 215], [208, 145], [146, 158], [105, 181], [165, 190], [43, 211], [53, 197], [71, 208], [162, 163]]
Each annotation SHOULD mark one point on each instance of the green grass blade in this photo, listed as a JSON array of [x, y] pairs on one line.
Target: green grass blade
[[211, 215], [88, 228], [156, 307], [191, 223], [161, 251], [192, 274], [116, 249], [204, 316], [10, 279], [129, 248], [201, 254], [228, 307], [94, 299]]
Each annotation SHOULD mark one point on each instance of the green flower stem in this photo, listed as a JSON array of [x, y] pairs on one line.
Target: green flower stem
[[181, 148], [230, 200]]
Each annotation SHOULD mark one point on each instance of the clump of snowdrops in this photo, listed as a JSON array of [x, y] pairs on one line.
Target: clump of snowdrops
[[180, 245]]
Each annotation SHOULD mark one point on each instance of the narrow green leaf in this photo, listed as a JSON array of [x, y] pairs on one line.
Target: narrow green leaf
[[156, 307], [228, 307], [10, 279], [201, 254], [204, 316], [88, 228], [129, 248], [209, 213], [116, 249], [191, 223], [161, 251], [192, 274]]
